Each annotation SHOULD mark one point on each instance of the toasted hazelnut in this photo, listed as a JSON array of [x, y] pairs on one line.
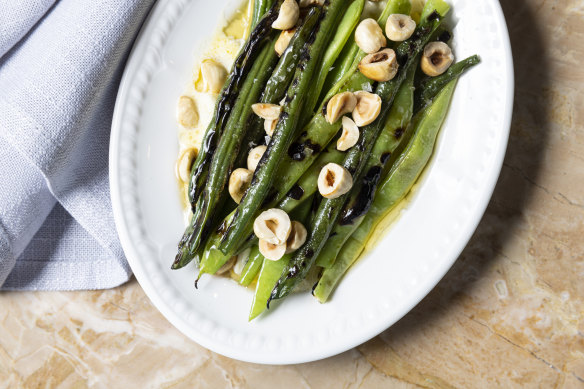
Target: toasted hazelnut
[[288, 15], [273, 252], [270, 126], [284, 40], [297, 237], [350, 135], [369, 36], [213, 75], [239, 182], [436, 59], [381, 66], [273, 226], [186, 112], [340, 104], [185, 163], [267, 111], [254, 157], [367, 108], [399, 27], [334, 181], [228, 265]]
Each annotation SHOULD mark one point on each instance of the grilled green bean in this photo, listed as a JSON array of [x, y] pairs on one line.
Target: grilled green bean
[[344, 31], [402, 176], [241, 123], [239, 71], [431, 86], [259, 9], [213, 194], [284, 132]]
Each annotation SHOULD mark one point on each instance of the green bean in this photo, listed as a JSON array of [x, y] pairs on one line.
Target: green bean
[[252, 266], [354, 162], [275, 89], [284, 132], [237, 76], [361, 195], [342, 34], [213, 195], [431, 86], [260, 7], [402, 176], [340, 68], [282, 76], [269, 274]]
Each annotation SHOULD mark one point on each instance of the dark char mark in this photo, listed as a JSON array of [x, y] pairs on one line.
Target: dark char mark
[[384, 158], [398, 133], [364, 198], [297, 151], [433, 16], [296, 192], [445, 36]]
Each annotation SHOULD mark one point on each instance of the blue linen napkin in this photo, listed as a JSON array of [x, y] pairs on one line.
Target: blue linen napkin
[[60, 66]]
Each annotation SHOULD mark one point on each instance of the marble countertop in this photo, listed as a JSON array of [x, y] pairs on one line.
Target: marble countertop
[[510, 312]]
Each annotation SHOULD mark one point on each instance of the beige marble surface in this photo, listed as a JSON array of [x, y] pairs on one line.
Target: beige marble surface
[[510, 313]]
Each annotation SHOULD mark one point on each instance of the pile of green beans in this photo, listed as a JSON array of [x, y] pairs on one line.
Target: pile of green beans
[[320, 61]]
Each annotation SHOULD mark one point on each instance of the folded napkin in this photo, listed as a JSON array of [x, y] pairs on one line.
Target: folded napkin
[[60, 66]]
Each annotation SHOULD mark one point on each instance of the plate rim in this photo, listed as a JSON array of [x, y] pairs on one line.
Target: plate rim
[[132, 66]]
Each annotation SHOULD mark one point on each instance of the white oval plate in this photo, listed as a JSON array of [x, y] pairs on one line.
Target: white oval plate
[[410, 260]]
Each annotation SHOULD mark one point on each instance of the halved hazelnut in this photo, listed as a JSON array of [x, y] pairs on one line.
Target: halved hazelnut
[[334, 181], [187, 112], [267, 111], [350, 135], [284, 40], [369, 36], [399, 27], [436, 59], [185, 163], [273, 252], [381, 66], [239, 182], [273, 226], [297, 237], [340, 104], [254, 157], [213, 75], [367, 108], [288, 15], [270, 126]]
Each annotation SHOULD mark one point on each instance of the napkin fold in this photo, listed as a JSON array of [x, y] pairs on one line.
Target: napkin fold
[[60, 66]]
